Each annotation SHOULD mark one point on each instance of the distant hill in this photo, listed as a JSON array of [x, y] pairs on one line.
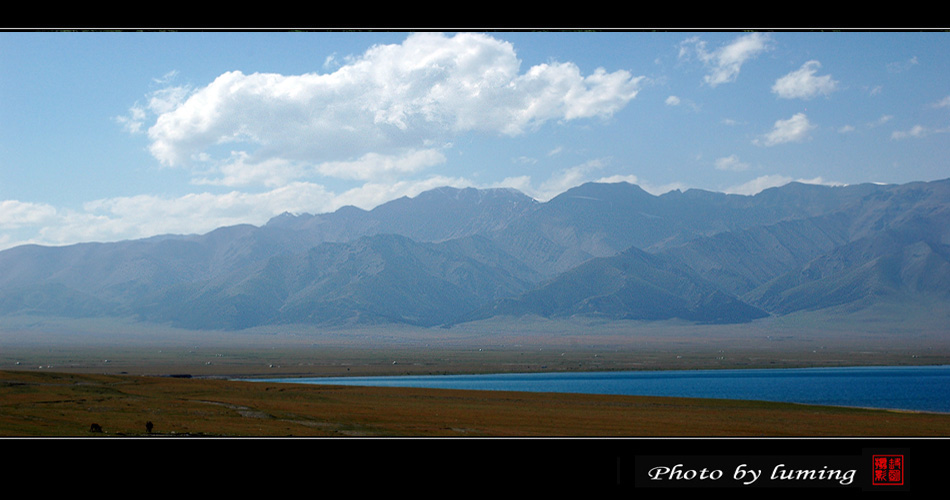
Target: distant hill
[[633, 285], [450, 255]]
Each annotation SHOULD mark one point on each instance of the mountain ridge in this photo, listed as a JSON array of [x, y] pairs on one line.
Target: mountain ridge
[[448, 255]]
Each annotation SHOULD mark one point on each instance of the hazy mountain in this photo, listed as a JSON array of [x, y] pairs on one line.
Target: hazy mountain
[[436, 215], [379, 278], [611, 250], [632, 285], [899, 246]]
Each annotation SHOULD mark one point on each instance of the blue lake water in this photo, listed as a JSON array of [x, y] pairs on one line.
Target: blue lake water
[[921, 388]]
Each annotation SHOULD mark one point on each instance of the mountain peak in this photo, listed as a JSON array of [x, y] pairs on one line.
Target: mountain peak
[[614, 193]]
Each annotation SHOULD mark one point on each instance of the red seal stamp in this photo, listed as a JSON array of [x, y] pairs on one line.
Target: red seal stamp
[[887, 470]]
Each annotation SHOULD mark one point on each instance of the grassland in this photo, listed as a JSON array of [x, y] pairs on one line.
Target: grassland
[[58, 404], [58, 377]]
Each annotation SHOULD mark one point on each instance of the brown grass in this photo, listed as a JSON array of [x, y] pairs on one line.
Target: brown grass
[[58, 404]]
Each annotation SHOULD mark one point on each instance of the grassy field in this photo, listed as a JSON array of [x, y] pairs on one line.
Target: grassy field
[[60, 376]]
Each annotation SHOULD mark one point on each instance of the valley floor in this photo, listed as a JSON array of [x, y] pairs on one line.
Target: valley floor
[[59, 404], [60, 377]]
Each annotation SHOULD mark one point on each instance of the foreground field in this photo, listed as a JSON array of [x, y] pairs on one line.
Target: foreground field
[[59, 404], [58, 377]]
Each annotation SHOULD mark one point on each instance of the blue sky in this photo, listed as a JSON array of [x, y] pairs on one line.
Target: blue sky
[[112, 136]]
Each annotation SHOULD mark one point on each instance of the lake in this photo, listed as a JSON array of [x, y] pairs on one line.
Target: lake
[[921, 388]]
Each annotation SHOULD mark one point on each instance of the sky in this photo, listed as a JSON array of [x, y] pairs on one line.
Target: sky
[[109, 136]]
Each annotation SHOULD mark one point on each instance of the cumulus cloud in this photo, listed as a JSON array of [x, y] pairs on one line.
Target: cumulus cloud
[[731, 163], [795, 129], [724, 63], [378, 124], [381, 111], [803, 84], [673, 100], [15, 214]]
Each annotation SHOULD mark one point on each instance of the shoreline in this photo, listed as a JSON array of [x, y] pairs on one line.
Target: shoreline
[[421, 383], [61, 404]]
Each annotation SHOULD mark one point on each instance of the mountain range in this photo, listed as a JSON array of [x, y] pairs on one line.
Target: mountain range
[[455, 255]]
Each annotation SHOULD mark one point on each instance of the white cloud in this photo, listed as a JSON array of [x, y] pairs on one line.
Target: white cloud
[[240, 170], [134, 122], [525, 160], [880, 121], [803, 84], [521, 183], [764, 182], [650, 188], [562, 180], [373, 165], [846, 129], [821, 182], [141, 216], [330, 62], [795, 129], [901, 66], [915, 131], [146, 215], [673, 100], [160, 101], [373, 194], [133, 217], [664, 188], [15, 214], [565, 179], [731, 163], [391, 99], [382, 118], [918, 131], [758, 184], [942, 103], [613, 179], [725, 62]]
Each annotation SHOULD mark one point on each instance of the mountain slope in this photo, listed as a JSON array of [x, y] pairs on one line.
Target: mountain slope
[[375, 279], [632, 285], [609, 250]]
